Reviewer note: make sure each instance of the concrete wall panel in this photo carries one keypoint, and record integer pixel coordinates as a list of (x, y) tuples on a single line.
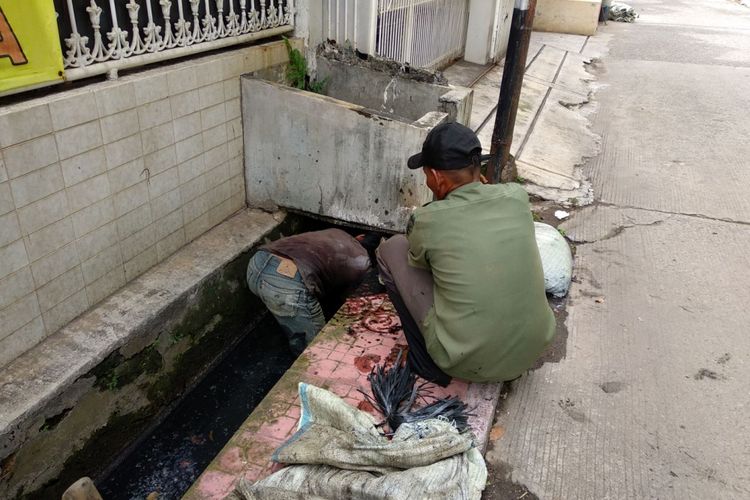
[(328, 157), (578, 17), (391, 95)]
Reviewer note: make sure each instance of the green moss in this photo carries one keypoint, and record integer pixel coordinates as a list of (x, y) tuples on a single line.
[(116, 371), (87, 461)]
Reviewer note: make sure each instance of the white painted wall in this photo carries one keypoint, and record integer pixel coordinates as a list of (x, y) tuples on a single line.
[(487, 33), (480, 30)]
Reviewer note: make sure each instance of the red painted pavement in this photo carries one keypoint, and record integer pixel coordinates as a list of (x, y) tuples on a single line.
[(365, 332)]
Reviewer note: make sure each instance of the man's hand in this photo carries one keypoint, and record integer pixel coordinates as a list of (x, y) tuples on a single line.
[(483, 179)]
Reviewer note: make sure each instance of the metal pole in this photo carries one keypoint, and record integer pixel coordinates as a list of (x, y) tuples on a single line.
[(510, 88)]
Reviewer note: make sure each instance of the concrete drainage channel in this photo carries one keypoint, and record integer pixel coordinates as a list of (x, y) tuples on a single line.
[(168, 459), (109, 377)]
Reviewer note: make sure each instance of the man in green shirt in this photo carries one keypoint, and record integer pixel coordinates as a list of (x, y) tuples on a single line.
[(467, 280)]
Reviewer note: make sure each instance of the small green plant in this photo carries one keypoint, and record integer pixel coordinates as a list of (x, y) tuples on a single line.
[(296, 72), (562, 232), (318, 86), (573, 201), (112, 383), (520, 180), (536, 216)]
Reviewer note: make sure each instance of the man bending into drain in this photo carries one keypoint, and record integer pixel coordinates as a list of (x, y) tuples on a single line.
[(294, 275), (467, 280)]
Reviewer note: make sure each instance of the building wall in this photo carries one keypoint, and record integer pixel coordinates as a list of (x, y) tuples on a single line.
[(99, 184)]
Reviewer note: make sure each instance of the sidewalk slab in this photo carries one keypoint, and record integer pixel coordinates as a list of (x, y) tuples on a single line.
[(365, 332), (551, 137)]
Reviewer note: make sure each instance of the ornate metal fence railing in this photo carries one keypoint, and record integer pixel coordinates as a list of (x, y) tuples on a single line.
[(103, 36)]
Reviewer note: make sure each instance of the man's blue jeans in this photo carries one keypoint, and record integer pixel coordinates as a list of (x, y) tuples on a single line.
[(296, 310)]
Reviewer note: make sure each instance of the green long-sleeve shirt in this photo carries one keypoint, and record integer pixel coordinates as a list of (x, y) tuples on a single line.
[(491, 319)]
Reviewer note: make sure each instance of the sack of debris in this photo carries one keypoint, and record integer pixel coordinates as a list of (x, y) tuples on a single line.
[(557, 261), (622, 12), (338, 452)]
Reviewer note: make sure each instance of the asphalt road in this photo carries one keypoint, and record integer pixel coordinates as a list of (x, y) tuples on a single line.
[(652, 398)]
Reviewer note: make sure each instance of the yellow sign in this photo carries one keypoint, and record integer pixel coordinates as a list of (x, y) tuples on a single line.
[(29, 44)]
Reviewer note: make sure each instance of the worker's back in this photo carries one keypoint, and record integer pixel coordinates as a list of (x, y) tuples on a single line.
[(329, 260), (491, 318)]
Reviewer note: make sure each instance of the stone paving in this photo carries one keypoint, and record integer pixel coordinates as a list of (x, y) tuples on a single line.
[(366, 331)]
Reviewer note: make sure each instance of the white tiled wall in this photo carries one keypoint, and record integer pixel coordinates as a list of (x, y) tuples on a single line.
[(101, 183)]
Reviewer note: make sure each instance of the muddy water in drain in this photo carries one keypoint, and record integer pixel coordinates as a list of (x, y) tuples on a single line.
[(176, 452)]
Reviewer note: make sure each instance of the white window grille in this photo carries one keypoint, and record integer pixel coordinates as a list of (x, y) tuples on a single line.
[(102, 36), (423, 33)]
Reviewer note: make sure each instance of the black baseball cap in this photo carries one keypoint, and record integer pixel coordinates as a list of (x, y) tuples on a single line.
[(449, 146)]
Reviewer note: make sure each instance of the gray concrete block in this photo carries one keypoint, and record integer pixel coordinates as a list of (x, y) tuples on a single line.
[(185, 103), (106, 285), (189, 148), (37, 185), (88, 192), (150, 87), (84, 166), (97, 240), (6, 200), (53, 265), (17, 314), (216, 156), (12, 258), (93, 217), (329, 157), (170, 244), (39, 214), (166, 204), (141, 263), (21, 340), (23, 122), (157, 137), (137, 243), (114, 98), (127, 175), (211, 95), (160, 160), (123, 151), (214, 136), (163, 182), (187, 126), (10, 230), (101, 263), (134, 221), (64, 312), (49, 238), (15, 286), (120, 125), (30, 156), (131, 198), (182, 79), (60, 288), (213, 116), (78, 139), (70, 110), (154, 113), (392, 95)]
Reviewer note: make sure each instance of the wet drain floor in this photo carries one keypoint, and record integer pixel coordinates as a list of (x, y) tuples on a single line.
[(169, 460)]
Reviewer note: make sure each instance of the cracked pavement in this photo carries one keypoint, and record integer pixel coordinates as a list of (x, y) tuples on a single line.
[(651, 399)]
